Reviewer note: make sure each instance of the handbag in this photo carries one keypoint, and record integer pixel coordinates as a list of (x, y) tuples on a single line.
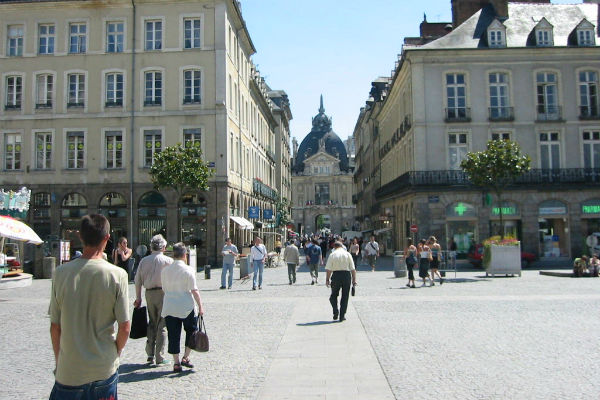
[(139, 323), (199, 340)]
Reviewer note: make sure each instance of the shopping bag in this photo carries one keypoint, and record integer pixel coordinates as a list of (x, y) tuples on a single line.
[(139, 323)]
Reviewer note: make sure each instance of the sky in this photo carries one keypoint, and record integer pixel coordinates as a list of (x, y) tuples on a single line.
[(334, 48)]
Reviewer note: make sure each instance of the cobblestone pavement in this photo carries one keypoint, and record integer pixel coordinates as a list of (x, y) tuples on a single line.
[(534, 337)]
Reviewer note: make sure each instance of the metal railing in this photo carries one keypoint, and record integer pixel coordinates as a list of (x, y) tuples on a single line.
[(457, 114), (549, 113), (588, 112), (501, 113)]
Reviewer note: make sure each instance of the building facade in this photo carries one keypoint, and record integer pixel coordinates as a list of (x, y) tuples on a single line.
[(92, 91), (524, 71), (322, 181)]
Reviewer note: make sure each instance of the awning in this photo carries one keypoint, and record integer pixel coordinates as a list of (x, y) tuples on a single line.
[(367, 231), (378, 231), (242, 222)]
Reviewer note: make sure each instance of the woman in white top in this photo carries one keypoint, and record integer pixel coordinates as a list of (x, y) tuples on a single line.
[(179, 286), (424, 257)]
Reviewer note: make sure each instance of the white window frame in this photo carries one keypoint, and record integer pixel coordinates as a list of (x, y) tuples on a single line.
[(143, 132), (558, 142), (49, 38), (79, 36), (189, 127), (586, 37), (186, 17), (546, 115), (505, 134), (82, 102), (112, 132), (182, 71), (19, 40), (71, 133), (587, 85), (5, 85), (157, 40), (594, 140), (465, 85), (105, 73), (497, 37), (36, 90), (47, 161), (5, 136), (448, 146), (153, 70), (544, 37), (498, 85), (123, 34)]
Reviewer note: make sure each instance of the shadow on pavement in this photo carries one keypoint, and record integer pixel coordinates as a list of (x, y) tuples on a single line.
[(128, 373), (316, 323)]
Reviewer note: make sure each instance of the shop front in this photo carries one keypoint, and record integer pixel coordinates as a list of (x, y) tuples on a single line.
[(40, 210), (193, 223), (590, 224), (152, 217), (73, 208), (461, 226), (114, 207), (553, 229), (511, 219)]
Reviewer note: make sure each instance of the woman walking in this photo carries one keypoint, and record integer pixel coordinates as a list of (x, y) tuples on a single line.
[(179, 286), (354, 250), (424, 257), (410, 254), (436, 256)]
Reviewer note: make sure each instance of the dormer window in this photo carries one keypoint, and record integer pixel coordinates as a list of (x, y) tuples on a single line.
[(496, 34), (585, 34), (543, 34)]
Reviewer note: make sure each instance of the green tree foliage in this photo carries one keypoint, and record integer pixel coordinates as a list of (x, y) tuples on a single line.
[(181, 169), (496, 167), (282, 205)]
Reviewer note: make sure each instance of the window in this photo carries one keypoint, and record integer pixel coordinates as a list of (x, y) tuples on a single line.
[(76, 90), (585, 37), (547, 96), (549, 150), (114, 37), (14, 45), (41, 205), (46, 39), (321, 193), (114, 89), (501, 136), (152, 145), (457, 149), (43, 150), (45, 88), (456, 96), (191, 86), (496, 38), (192, 137), (588, 94), (591, 149), (191, 33), (114, 149), (14, 88), (77, 38), (499, 102), (544, 37), (75, 150), (153, 88), (153, 35), (12, 151)]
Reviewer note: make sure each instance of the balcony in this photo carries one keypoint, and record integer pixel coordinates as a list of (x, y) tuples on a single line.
[(150, 103), (12, 107), (47, 104), (501, 113), (589, 113), (78, 104), (455, 179), (457, 114), (549, 113), (118, 103), (271, 156)]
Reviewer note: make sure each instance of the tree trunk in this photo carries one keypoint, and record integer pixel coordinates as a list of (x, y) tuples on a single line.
[(500, 213)]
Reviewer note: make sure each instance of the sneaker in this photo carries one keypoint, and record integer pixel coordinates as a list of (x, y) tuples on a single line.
[(222, 287), (163, 362), (253, 287), (408, 285), (260, 288), (229, 287), (290, 283)]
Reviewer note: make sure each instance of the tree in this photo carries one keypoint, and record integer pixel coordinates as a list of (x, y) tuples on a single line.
[(496, 167), (282, 204)]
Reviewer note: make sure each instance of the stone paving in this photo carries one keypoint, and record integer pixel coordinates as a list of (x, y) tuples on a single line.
[(534, 337)]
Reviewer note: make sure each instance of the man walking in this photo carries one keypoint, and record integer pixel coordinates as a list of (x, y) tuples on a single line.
[(372, 252), (340, 275), (88, 296), (230, 252), (314, 258), (258, 252), (291, 255), (148, 276)]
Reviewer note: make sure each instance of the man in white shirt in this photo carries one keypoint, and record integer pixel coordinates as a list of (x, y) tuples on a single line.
[(372, 252), (340, 275), (149, 275), (291, 255), (258, 252)]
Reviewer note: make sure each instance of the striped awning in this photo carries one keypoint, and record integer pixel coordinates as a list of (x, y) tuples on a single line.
[(242, 222)]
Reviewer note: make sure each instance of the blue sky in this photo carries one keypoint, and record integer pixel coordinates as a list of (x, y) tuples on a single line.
[(334, 48)]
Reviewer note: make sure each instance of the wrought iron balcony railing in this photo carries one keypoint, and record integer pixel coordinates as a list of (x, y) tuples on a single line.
[(501, 113), (458, 114), (549, 113), (589, 112)]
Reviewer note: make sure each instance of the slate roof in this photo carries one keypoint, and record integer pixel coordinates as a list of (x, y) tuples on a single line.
[(522, 19)]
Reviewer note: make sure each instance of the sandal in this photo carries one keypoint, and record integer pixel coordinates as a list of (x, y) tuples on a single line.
[(186, 363), (177, 368)]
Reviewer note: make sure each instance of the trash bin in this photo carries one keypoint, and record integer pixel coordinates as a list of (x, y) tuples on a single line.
[(48, 267), (207, 271), (399, 265), (243, 267)]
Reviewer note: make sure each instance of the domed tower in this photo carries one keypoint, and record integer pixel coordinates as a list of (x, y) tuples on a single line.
[(321, 133)]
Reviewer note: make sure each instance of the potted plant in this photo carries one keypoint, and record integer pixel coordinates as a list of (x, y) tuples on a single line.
[(502, 256)]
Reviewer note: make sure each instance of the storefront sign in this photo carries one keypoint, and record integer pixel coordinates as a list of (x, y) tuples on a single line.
[(254, 212), (553, 210), (434, 199), (591, 207), (267, 214), (508, 208), (461, 210)]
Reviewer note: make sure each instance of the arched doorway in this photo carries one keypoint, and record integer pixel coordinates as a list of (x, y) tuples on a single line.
[(322, 221), (113, 206), (152, 217), (193, 223), (73, 207), (41, 214)]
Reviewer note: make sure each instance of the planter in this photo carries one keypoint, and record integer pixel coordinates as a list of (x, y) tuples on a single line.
[(504, 260)]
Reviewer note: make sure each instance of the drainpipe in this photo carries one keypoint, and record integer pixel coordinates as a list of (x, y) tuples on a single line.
[(132, 123)]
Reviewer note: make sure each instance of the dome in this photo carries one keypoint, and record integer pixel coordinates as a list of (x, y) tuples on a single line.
[(321, 129)]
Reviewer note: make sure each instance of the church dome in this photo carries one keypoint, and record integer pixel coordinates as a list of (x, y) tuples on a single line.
[(321, 129)]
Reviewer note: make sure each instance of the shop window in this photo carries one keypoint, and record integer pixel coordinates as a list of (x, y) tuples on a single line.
[(41, 205), (113, 205)]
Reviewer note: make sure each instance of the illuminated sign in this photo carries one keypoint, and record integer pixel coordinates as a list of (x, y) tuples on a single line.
[(505, 211), (460, 209), (590, 209)]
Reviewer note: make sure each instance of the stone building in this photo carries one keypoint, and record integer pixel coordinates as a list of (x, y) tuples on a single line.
[(322, 181), (525, 71), (91, 91)]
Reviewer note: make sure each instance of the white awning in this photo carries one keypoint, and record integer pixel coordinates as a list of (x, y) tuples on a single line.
[(378, 231), (242, 222)]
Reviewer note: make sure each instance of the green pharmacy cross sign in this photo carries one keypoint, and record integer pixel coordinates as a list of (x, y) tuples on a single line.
[(460, 209)]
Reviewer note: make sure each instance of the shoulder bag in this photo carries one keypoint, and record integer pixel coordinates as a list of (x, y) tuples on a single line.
[(199, 341)]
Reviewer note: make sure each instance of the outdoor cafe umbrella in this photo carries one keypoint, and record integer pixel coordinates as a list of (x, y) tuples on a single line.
[(11, 228)]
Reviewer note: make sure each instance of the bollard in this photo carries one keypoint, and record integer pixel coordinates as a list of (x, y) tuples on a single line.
[(207, 271), (48, 267)]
